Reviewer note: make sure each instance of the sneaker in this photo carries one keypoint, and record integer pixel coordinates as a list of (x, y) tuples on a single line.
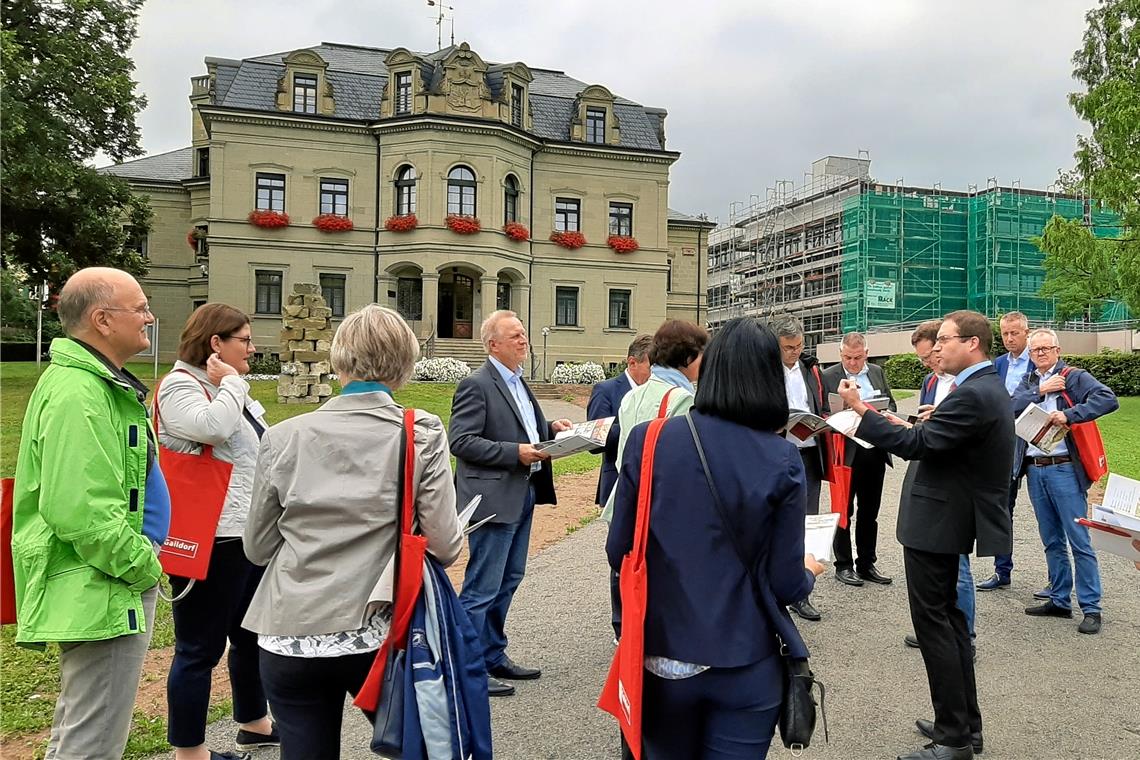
[(250, 740), (1091, 623)]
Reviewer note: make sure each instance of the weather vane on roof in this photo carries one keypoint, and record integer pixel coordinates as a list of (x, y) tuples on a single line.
[(439, 23)]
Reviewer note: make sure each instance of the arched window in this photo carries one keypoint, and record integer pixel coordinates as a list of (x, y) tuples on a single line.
[(461, 191), (406, 191), (510, 199)]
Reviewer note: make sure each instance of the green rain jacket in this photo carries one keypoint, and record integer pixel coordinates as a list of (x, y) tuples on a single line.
[(80, 559)]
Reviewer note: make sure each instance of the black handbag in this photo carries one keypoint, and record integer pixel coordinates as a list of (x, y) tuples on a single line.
[(797, 710)]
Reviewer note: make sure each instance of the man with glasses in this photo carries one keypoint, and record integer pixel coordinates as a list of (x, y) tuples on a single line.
[(1012, 367), (868, 468), (1058, 485), (91, 509)]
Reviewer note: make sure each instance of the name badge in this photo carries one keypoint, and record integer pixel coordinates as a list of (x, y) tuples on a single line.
[(255, 408)]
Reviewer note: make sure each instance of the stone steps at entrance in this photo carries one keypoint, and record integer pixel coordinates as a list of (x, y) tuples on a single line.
[(465, 350)]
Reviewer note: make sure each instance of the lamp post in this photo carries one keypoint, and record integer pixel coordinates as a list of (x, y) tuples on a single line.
[(545, 374)]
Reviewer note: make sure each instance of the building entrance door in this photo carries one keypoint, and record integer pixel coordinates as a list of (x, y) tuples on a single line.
[(456, 307)]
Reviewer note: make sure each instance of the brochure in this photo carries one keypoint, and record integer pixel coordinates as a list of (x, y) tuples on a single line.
[(819, 534), (1122, 496), (1035, 426), (468, 511), (878, 403), (584, 436), (1113, 532), (805, 425)]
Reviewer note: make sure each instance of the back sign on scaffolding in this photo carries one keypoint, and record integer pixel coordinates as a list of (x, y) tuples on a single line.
[(880, 294)]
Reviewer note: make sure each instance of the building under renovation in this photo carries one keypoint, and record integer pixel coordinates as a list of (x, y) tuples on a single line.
[(845, 252)]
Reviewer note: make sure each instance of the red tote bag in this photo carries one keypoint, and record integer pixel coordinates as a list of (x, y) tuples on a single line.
[(1090, 446), (7, 583), (621, 695), (198, 484), (409, 579), (838, 476)]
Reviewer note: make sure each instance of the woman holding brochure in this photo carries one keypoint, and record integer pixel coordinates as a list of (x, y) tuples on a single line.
[(205, 403), (324, 521), (713, 672)]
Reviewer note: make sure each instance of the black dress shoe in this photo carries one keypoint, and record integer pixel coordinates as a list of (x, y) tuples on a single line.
[(995, 581), (926, 728), (1048, 609), (496, 688), (911, 640), (806, 610), (872, 574), (848, 576), (934, 751), (508, 669), (1091, 623)]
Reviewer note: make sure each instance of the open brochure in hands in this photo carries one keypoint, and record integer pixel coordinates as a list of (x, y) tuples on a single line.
[(1116, 523), (837, 404), (1035, 426), (468, 511), (805, 425), (819, 535), (1122, 496), (584, 436)]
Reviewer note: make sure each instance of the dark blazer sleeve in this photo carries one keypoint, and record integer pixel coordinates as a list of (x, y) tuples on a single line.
[(619, 542), (789, 580), (1091, 398), (468, 426), (953, 423)]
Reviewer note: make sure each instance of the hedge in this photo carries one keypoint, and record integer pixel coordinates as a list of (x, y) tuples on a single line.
[(1116, 369)]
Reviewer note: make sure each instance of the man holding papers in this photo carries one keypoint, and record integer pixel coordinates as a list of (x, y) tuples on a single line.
[(1058, 485), (954, 493)]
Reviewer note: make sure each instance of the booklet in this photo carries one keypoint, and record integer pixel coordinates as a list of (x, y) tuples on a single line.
[(819, 534), (805, 425), (1122, 496), (878, 403), (1113, 532), (468, 511), (584, 436), (1035, 426)]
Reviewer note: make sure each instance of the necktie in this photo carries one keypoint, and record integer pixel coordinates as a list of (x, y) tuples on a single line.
[(953, 386)]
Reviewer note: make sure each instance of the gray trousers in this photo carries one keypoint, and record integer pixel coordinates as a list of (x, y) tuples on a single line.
[(99, 681)]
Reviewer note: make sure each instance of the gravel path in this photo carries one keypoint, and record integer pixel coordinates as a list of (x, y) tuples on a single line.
[(1046, 691)]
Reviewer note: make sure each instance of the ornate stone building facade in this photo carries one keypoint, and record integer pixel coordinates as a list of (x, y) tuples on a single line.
[(432, 183)]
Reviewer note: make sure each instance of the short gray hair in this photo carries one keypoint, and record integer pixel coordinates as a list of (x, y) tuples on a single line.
[(786, 326), (78, 297), (1046, 331), (1011, 316), (854, 340), (639, 348), (490, 327), (376, 344)]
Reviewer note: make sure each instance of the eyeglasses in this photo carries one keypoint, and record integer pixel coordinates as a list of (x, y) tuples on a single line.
[(1041, 351), (141, 310), (944, 339), (246, 341)]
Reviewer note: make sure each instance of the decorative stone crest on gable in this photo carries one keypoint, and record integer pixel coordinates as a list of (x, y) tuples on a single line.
[(465, 80)]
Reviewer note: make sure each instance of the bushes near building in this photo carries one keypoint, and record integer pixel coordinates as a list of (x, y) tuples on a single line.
[(1116, 369)]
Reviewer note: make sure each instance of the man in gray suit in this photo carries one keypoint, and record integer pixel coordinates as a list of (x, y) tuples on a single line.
[(495, 423)]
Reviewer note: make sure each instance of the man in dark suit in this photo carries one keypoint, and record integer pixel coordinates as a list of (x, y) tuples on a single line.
[(804, 388), (605, 400), (495, 424), (953, 494), (868, 468)]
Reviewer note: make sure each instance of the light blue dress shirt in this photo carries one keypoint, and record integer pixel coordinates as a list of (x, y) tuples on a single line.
[(1018, 366), (866, 390), (964, 374), (1049, 404), (522, 403)]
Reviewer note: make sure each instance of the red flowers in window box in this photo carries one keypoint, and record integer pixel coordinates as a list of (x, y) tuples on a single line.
[(192, 238), (401, 223), (516, 231), (463, 225), (268, 219), (332, 223), (622, 244), (571, 240)]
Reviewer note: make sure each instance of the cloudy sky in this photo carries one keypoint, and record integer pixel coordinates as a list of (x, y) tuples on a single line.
[(951, 92)]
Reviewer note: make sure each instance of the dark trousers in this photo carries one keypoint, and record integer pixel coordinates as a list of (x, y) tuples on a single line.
[(720, 714), (1003, 563), (209, 615), (867, 472), (307, 696), (615, 602), (944, 641), (495, 569), (813, 469)]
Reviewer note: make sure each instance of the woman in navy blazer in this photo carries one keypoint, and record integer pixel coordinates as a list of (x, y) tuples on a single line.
[(714, 679)]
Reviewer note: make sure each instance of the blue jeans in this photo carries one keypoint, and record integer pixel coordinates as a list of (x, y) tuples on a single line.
[(1003, 563), (495, 569), (1058, 501), (966, 594)]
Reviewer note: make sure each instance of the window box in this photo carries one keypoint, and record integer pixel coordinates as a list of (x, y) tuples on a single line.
[(401, 223), (571, 240), (193, 236), (516, 231), (622, 244), (268, 219), (332, 223), (462, 224)]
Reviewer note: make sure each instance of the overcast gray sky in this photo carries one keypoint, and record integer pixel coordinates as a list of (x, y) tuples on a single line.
[(951, 92)]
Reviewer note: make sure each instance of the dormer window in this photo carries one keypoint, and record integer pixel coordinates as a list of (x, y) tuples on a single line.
[(516, 106), (596, 125), (305, 93), (403, 93)]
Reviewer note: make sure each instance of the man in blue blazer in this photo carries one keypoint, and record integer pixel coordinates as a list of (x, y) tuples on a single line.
[(605, 400), (954, 493), (1058, 485), (1011, 367)]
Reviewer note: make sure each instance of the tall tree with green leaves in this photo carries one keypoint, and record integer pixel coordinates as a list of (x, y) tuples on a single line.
[(67, 94), (1082, 271)]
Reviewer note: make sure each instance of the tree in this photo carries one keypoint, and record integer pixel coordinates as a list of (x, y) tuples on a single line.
[(68, 94), (1081, 270)]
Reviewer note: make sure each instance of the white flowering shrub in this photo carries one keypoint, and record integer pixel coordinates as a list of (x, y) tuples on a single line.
[(441, 370), (586, 373)]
